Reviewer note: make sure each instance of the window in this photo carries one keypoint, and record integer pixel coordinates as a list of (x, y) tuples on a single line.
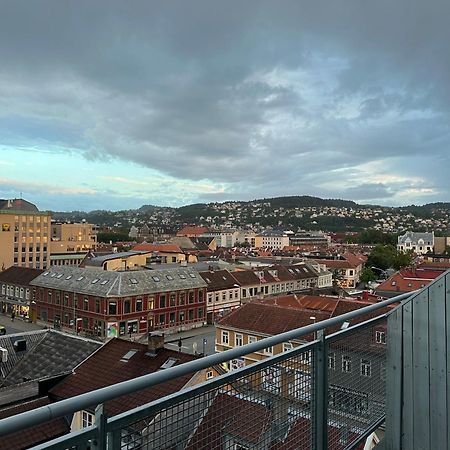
[(268, 350), (181, 298), (162, 319), (365, 368), (172, 299), (97, 305), (209, 374), (49, 297), (331, 361), (200, 313), (112, 308), (252, 339), (225, 337), (305, 358), (126, 307), (191, 297), (138, 304), (172, 317), (380, 337), (86, 304), (287, 346), (162, 300), (87, 419), (191, 314), (238, 340), (346, 364), (200, 296), (151, 303)]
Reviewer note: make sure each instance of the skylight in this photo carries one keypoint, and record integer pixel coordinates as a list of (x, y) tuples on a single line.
[(68, 277), (45, 274), (156, 279), (104, 282), (169, 277), (129, 355), (59, 275), (192, 275), (182, 276), (53, 275), (169, 363), (80, 278), (94, 281), (133, 281)]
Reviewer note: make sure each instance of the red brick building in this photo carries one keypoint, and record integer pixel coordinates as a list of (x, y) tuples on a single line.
[(110, 304)]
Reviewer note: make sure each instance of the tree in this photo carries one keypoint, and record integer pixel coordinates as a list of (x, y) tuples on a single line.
[(387, 256), (368, 275)]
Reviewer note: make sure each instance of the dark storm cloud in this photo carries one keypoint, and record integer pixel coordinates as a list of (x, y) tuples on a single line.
[(269, 97)]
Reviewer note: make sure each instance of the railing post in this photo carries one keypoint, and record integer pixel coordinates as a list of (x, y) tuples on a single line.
[(100, 423), (320, 410)]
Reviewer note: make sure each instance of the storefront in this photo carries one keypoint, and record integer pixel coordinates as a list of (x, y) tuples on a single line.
[(8, 306)]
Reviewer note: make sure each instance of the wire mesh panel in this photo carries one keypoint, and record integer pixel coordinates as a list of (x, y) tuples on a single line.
[(356, 383), (268, 406)]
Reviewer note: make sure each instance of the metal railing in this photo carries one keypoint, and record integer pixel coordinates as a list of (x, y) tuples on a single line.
[(325, 394)]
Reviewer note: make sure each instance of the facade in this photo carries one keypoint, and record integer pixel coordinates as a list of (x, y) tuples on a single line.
[(272, 239), (16, 292), (419, 243), (72, 237), (109, 304), (310, 238), (224, 238), (346, 270), (67, 259), (223, 293), (273, 280), (24, 235)]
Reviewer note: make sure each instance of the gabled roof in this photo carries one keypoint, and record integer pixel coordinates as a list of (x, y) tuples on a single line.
[(104, 283), (218, 280), (17, 204), (413, 237), (108, 366), (19, 275), (246, 277), (49, 354), (265, 318), (30, 437)]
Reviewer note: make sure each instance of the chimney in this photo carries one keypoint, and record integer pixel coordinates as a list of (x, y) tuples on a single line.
[(155, 342)]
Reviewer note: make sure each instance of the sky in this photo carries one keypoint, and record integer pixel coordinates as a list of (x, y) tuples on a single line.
[(113, 104)]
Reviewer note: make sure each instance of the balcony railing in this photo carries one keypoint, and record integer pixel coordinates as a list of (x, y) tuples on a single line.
[(329, 392)]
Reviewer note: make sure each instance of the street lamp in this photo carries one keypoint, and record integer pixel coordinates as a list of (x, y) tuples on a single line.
[(313, 318), (381, 271)]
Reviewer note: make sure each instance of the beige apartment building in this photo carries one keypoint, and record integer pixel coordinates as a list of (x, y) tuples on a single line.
[(24, 235), (72, 237)]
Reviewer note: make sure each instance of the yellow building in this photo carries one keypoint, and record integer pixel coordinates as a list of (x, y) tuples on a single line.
[(72, 237), (24, 235)]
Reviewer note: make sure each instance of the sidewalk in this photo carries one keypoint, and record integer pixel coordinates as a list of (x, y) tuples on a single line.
[(19, 325)]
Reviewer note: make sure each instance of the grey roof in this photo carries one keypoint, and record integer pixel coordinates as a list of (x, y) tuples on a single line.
[(102, 283), (49, 353), (97, 261), (412, 236)]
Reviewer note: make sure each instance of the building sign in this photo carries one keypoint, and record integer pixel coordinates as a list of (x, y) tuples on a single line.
[(6, 227), (112, 330)]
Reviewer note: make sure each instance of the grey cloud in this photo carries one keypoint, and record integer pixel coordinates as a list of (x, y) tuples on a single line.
[(183, 87)]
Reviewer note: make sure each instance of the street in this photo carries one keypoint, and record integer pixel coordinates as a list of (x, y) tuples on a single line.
[(18, 326), (192, 341)]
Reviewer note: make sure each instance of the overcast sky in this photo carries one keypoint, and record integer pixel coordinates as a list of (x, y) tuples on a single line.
[(113, 104)]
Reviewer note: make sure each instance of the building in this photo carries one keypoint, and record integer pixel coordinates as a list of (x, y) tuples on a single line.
[(120, 360), (192, 231), (407, 280), (223, 293), (276, 279), (72, 237), (109, 304), (165, 253), (136, 259), (16, 292), (346, 270), (419, 243), (224, 238), (310, 238), (272, 239), (24, 235)]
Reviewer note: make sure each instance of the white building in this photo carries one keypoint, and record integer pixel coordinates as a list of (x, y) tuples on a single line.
[(419, 243)]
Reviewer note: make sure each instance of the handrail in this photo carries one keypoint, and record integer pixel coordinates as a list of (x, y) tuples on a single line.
[(89, 399)]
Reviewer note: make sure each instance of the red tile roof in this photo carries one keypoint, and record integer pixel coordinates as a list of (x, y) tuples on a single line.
[(29, 437), (105, 368), (192, 231)]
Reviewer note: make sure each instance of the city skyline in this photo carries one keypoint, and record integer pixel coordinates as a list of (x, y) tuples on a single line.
[(171, 104)]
